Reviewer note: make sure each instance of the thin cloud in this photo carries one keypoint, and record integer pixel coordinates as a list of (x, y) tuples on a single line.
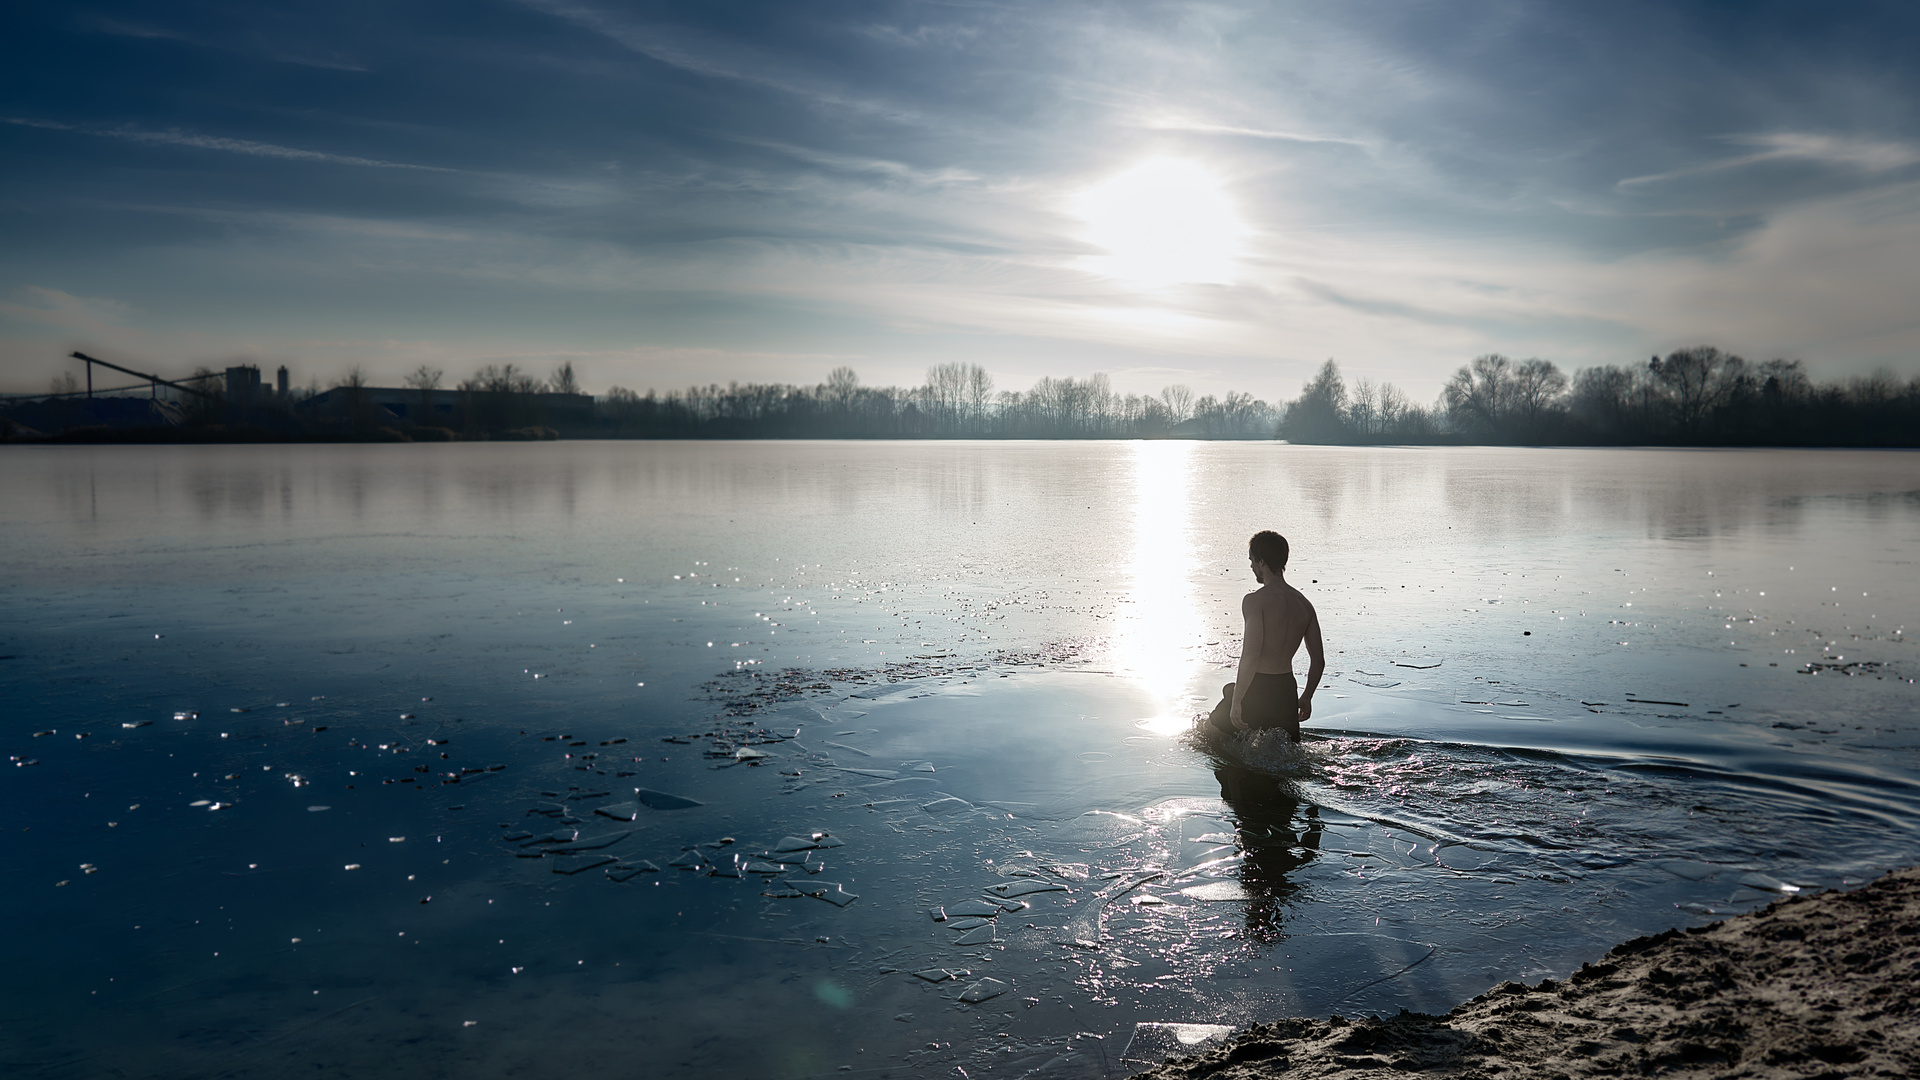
[(1864, 155), (220, 143), (105, 25), (657, 44), (117, 28), (1203, 128), (52, 306), (853, 164)]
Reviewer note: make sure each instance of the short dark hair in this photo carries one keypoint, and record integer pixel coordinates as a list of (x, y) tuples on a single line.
[(1268, 547)]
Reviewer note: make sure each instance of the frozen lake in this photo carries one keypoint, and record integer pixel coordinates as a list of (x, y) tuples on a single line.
[(379, 760)]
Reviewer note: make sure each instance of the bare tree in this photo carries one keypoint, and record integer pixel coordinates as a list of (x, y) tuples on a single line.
[(1536, 390), (1179, 402), (1479, 394), (425, 379), (1363, 408), (1393, 409), (65, 383), (843, 384), (979, 391), (1697, 380), (563, 381)]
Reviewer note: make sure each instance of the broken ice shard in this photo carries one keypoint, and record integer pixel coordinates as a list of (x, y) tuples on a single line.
[(660, 800), (984, 990), (1010, 889)]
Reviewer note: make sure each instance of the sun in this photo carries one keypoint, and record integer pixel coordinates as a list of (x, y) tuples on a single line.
[(1165, 221)]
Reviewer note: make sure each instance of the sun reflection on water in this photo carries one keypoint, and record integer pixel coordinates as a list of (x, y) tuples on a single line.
[(1160, 625)]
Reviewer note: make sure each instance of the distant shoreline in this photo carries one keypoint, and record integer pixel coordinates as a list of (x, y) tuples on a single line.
[(260, 436)]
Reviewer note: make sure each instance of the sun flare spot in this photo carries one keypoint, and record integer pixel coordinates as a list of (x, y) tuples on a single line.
[(1165, 221)]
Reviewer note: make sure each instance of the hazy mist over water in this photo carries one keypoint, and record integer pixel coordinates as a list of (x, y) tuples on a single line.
[(1017, 636)]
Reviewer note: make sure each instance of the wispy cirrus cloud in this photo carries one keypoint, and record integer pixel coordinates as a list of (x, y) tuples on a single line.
[(1203, 127), (119, 28), (677, 48), (53, 307), (1839, 151), (222, 144)]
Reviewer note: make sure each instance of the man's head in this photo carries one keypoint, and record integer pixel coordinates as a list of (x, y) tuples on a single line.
[(1268, 547)]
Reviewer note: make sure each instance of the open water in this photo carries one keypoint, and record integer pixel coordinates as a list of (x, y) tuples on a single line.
[(797, 759)]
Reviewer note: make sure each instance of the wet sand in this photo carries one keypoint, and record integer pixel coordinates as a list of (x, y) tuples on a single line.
[(1827, 985)]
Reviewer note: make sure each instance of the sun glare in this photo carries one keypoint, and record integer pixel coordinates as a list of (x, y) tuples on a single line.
[(1162, 222), (1161, 624)]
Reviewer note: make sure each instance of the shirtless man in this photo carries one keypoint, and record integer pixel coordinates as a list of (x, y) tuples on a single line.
[(1279, 619)]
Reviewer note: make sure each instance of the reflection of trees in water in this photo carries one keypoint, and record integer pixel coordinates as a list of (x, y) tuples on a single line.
[(1273, 845)]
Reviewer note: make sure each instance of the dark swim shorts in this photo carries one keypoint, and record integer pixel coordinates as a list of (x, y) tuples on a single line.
[(1273, 701)]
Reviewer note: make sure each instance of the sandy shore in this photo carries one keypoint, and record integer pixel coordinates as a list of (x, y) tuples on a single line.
[(1824, 986)]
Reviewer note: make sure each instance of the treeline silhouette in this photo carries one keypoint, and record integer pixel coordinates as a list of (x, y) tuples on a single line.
[(1698, 396), (958, 401)]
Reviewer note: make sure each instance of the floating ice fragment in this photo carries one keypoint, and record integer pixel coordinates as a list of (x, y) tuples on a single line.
[(568, 863), (976, 908), (754, 866), (626, 811), (968, 923), (1155, 1043), (1070, 871), (823, 841), (596, 843), (660, 800), (832, 893), (794, 843), (939, 914), (692, 860), (780, 890), (945, 805), (979, 935), (396, 839), (1010, 889), (934, 974), (199, 802), (317, 809), (1687, 868), (353, 866), (984, 990), (1767, 882), (1217, 890)]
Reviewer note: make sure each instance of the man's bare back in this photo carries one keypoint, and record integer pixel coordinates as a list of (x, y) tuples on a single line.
[(1279, 619)]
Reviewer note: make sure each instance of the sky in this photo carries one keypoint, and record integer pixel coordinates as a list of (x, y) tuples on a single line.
[(1222, 195)]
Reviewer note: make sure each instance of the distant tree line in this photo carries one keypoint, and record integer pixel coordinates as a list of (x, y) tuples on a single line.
[(957, 401), (1694, 396), (1691, 397)]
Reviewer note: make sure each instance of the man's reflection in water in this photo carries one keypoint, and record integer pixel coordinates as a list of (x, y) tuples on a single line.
[(1273, 845)]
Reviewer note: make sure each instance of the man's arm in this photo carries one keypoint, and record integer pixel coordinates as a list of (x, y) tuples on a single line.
[(1250, 647), (1316, 662)]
